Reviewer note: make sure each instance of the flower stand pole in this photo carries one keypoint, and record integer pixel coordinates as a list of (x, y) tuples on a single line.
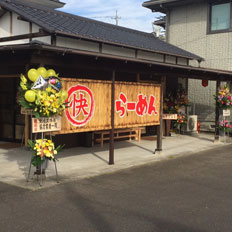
[(224, 132)]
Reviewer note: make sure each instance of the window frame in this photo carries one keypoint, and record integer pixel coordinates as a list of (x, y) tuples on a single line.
[(210, 4)]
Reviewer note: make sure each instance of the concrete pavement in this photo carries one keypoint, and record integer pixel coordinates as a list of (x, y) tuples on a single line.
[(188, 194), (80, 162)]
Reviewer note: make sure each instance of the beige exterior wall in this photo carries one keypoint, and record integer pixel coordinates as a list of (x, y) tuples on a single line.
[(188, 30)]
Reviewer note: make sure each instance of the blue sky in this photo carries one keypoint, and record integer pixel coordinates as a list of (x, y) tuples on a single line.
[(132, 13)]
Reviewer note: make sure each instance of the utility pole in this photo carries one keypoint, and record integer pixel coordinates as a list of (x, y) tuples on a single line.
[(116, 17)]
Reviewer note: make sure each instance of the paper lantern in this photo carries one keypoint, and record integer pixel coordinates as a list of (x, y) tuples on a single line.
[(205, 83)]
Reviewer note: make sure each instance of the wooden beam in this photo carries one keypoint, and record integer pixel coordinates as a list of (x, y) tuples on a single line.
[(22, 19), (30, 30), (10, 76), (53, 40), (24, 36), (111, 150), (11, 24)]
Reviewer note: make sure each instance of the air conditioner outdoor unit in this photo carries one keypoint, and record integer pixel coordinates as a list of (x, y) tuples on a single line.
[(192, 123)]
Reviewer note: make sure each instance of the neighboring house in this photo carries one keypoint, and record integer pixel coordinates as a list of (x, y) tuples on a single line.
[(204, 28)]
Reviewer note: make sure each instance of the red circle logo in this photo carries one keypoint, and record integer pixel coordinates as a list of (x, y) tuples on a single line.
[(80, 105)]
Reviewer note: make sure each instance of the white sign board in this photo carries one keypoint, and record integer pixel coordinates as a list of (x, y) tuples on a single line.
[(26, 111), (226, 113), (46, 124), (169, 116)]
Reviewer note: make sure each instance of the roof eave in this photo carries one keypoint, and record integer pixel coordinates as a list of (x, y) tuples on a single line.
[(157, 5), (164, 5), (81, 52)]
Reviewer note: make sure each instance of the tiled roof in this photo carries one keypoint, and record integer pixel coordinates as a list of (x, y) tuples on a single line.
[(54, 21)]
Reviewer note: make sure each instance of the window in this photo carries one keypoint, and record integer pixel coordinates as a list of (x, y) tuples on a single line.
[(220, 16)]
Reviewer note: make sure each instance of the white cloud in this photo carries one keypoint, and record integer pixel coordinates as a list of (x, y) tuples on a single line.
[(131, 12)]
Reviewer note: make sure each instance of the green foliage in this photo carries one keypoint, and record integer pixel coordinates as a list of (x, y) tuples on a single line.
[(24, 103), (60, 147), (31, 144), (36, 113), (37, 161)]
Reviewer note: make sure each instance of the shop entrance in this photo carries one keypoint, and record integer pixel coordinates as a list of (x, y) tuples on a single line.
[(11, 121)]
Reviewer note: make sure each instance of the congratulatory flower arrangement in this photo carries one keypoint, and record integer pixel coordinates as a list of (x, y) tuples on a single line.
[(224, 125), (181, 119), (42, 92), (43, 149), (175, 100), (223, 98)]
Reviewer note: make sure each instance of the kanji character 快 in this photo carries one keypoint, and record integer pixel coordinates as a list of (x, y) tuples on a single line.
[(78, 105)]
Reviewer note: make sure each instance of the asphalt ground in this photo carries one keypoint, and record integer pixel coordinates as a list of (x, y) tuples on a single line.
[(187, 194)]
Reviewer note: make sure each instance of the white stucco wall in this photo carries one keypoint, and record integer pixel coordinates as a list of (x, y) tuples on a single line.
[(19, 27), (44, 39), (150, 56), (113, 50), (77, 44), (5, 25)]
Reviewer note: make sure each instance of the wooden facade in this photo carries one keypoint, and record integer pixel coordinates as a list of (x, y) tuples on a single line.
[(101, 118)]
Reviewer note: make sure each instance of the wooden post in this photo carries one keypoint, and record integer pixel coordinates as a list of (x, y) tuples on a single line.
[(216, 135), (11, 23), (27, 127), (138, 77), (160, 127), (111, 150)]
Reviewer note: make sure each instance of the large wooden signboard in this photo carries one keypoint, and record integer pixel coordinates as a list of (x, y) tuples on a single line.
[(136, 104), (89, 105)]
